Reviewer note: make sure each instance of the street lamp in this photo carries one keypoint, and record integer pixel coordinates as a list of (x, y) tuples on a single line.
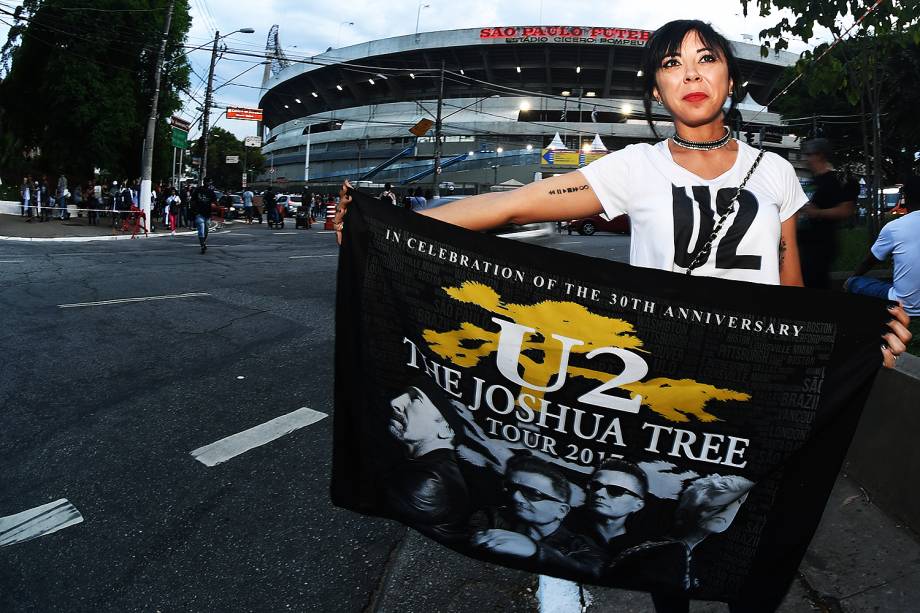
[(209, 92), (418, 15)]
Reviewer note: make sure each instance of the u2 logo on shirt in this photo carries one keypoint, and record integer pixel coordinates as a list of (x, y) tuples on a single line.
[(726, 246)]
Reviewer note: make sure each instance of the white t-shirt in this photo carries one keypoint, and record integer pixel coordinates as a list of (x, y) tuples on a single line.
[(899, 240), (671, 210)]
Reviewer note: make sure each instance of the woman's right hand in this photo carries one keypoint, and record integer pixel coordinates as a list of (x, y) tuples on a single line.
[(342, 208)]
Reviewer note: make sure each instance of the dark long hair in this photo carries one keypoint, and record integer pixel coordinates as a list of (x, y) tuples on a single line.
[(666, 41)]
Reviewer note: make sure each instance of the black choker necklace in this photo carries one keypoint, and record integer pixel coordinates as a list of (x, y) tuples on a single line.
[(705, 145)]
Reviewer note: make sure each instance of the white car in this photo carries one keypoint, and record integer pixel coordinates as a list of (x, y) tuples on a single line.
[(290, 202), (531, 232)]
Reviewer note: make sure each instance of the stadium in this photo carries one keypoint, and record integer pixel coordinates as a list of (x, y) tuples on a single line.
[(518, 103)]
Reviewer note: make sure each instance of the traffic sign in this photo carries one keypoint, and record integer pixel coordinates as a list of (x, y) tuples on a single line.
[(422, 127), (233, 159), (178, 122), (179, 138), (245, 178), (271, 170), (252, 141), (245, 114)]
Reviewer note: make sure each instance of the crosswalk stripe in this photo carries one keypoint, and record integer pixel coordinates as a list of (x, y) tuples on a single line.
[(236, 444), (38, 522)]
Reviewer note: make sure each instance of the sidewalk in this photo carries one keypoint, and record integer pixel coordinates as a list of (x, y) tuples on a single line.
[(16, 228)]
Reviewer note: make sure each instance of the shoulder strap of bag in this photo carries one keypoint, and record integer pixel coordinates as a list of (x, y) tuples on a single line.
[(703, 254)]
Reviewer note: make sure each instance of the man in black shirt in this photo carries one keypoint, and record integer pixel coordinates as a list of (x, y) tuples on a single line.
[(203, 198), (831, 203)]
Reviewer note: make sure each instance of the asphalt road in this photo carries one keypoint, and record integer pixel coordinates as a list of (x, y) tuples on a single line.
[(102, 405)]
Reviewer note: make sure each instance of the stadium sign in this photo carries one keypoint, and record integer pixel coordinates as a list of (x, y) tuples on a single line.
[(244, 114), (567, 34)]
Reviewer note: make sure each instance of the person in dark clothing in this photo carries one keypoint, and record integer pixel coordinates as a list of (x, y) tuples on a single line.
[(270, 206), (529, 526), (707, 506), (427, 489), (829, 205), (92, 204), (184, 217), (615, 491), (44, 196), (203, 198)]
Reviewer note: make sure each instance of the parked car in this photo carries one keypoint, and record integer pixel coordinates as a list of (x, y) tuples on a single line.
[(232, 206), (290, 202), (589, 225), (531, 232)]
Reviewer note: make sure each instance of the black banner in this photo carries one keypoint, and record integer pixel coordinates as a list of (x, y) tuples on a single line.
[(585, 419)]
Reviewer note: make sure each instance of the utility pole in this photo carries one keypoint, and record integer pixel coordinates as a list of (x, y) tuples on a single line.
[(306, 158), (206, 116), (147, 158), (437, 139)]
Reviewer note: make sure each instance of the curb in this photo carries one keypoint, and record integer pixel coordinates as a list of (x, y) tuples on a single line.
[(86, 239)]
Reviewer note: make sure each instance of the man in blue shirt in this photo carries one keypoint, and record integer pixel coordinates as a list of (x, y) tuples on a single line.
[(897, 239)]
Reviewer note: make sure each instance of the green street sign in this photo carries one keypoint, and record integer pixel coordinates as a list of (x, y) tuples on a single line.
[(179, 138)]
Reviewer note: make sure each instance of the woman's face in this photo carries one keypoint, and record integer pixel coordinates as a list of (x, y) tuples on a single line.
[(694, 83)]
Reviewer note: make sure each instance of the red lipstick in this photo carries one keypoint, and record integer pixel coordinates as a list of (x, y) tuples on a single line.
[(695, 97)]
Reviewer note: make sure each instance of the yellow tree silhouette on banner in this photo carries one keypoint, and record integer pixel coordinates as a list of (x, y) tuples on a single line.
[(674, 399)]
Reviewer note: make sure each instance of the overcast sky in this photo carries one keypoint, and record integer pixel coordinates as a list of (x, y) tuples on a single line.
[(308, 27)]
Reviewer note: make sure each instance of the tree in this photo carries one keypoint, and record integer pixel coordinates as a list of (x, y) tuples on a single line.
[(866, 71), (221, 144), (78, 85)]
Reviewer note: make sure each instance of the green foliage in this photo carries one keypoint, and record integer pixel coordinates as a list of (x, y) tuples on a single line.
[(889, 16), (874, 69), (78, 86), (221, 144)]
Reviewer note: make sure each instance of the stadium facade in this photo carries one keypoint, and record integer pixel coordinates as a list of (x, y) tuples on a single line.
[(507, 93)]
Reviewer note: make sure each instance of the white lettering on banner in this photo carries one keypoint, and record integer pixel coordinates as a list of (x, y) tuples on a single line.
[(525, 408), (510, 344), (683, 441)]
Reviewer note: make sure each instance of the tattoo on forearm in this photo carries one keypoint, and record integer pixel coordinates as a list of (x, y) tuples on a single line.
[(567, 190), (782, 251)]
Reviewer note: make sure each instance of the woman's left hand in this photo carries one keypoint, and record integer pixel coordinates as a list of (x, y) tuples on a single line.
[(895, 341)]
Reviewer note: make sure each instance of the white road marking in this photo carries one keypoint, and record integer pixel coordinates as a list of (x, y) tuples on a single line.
[(38, 522), (559, 596), (11, 261), (236, 444), (88, 253), (325, 232), (571, 243), (300, 257), (126, 300), (285, 234)]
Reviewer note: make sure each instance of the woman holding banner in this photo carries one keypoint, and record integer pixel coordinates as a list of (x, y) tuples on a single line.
[(699, 202)]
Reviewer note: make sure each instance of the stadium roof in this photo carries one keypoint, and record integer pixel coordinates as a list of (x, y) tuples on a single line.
[(507, 60)]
